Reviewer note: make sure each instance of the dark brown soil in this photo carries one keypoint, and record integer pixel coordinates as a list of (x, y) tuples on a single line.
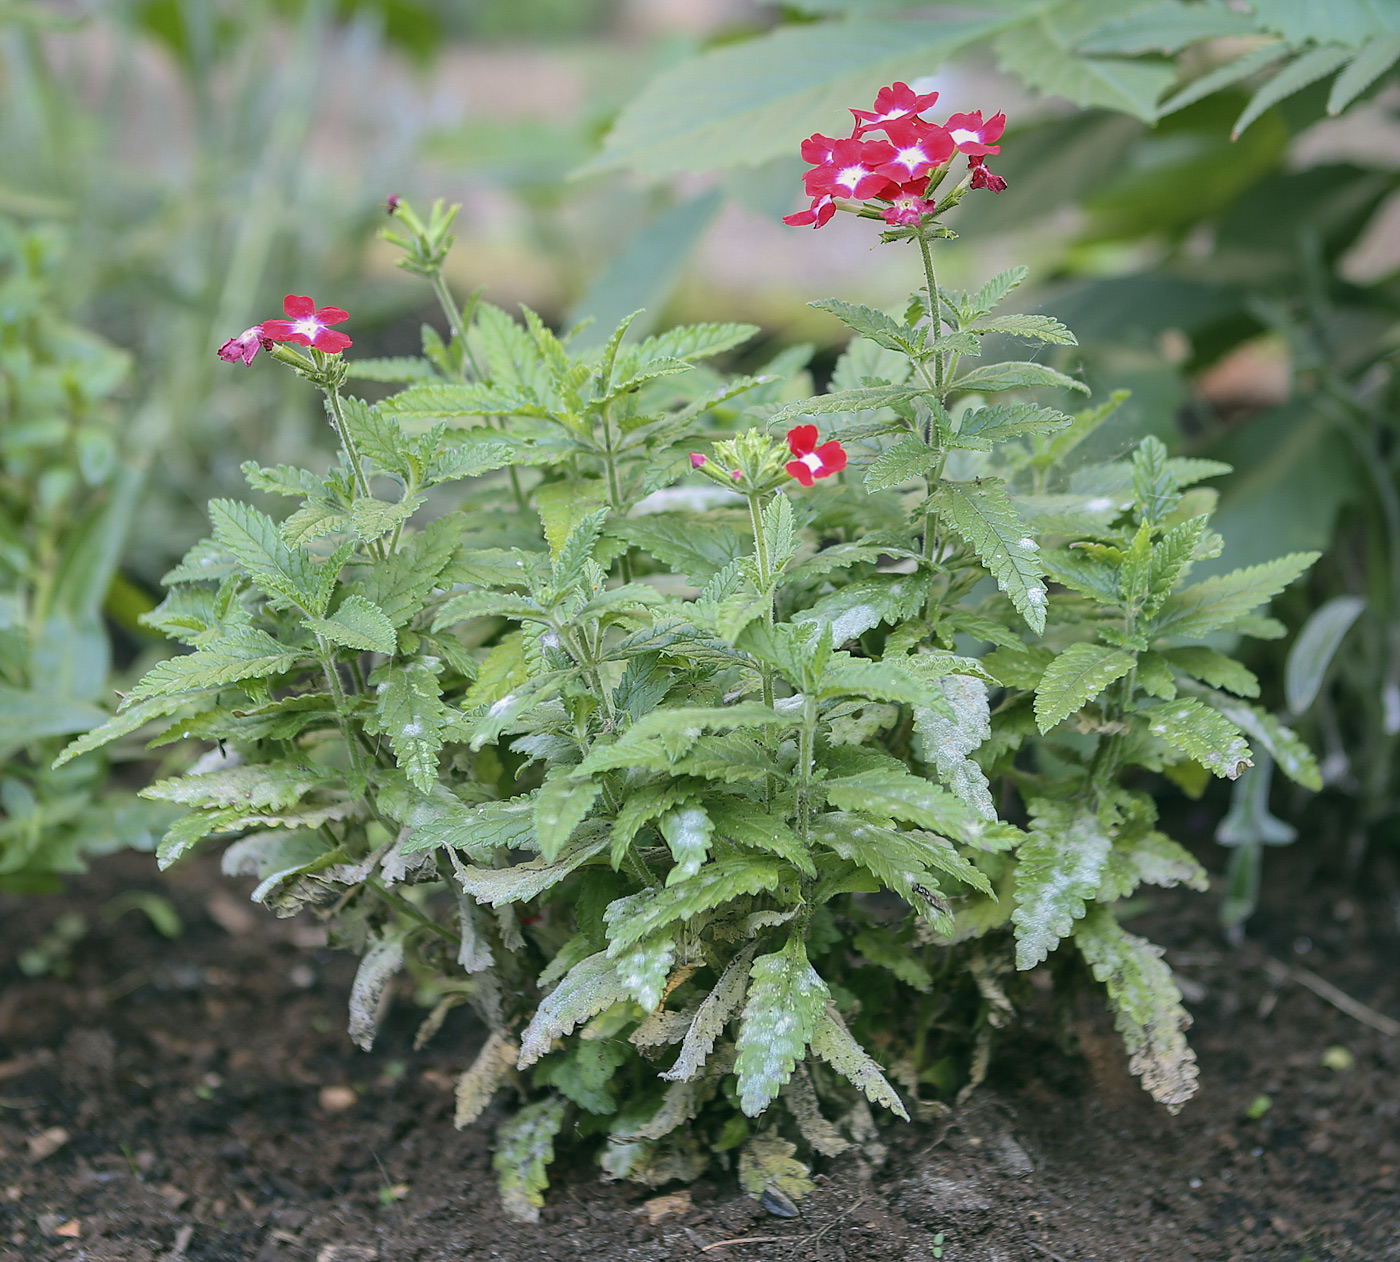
[(176, 1101)]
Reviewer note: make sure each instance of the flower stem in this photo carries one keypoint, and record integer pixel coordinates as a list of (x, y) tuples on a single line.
[(455, 319)]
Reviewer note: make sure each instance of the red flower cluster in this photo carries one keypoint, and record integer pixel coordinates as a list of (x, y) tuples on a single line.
[(305, 325), (812, 461), (896, 168)]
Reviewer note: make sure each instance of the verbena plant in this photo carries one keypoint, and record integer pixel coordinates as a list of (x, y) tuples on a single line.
[(67, 498), (714, 797)]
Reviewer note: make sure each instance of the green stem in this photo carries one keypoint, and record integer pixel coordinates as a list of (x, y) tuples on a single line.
[(935, 314), (454, 318), (408, 909), (342, 711)]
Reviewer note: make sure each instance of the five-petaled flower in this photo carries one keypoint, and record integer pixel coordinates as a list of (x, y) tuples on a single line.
[(898, 100), (974, 137), (306, 326), (853, 170), (245, 345), (813, 462), (919, 148)]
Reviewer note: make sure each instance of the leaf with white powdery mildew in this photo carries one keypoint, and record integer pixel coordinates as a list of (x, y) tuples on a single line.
[(1075, 678), (383, 959), (1060, 866), (983, 516), (479, 1083), (712, 1016), (589, 987), (410, 712), (832, 1041), (948, 742), (524, 1149), (786, 999), (1201, 733), (1146, 1003)]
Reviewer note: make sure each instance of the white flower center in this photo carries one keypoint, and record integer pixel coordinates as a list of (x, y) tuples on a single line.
[(911, 157), (961, 136), (812, 461), (851, 176), (308, 326)]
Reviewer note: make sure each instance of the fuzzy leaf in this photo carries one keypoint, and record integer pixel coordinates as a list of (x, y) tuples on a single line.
[(358, 624), (786, 998), (1075, 678), (896, 794), (881, 329), (741, 822), (524, 1149), (1201, 733), (982, 428), (273, 786), (383, 959), (644, 966), (863, 399), (1146, 1003), (688, 832), (398, 368), (523, 882), (242, 654), (947, 742), (589, 987), (1015, 375), (479, 1083), (560, 806), (253, 539), (410, 712), (699, 550), (400, 585), (832, 1041), (1214, 668), (1217, 602), (712, 1016), (1059, 868), (637, 916), (1294, 758), (1040, 328), (478, 830), (983, 516)]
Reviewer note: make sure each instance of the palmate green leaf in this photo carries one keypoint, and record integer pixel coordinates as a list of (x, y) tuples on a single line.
[(358, 624), (1146, 1003), (242, 654), (523, 882), (982, 428), (1200, 732), (1375, 57), (1041, 54), (983, 517), (524, 1149), (714, 1013), (639, 916), (1059, 868), (863, 399), (410, 712), (253, 539), (786, 999), (587, 989), (881, 329), (1075, 678), (1313, 65), (743, 103), (832, 1041), (1220, 601), (1040, 328), (1214, 668), (560, 807)]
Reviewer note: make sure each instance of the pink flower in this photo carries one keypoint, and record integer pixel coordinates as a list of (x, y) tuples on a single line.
[(983, 178), (919, 147), (974, 137), (853, 170), (391, 203), (817, 149), (909, 206), (306, 326), (697, 461), (245, 345), (898, 100), (818, 213), (812, 461)]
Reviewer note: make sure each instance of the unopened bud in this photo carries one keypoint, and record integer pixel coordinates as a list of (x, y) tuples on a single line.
[(697, 461)]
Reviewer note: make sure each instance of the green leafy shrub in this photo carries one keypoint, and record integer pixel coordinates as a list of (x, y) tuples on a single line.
[(713, 798), (66, 502)]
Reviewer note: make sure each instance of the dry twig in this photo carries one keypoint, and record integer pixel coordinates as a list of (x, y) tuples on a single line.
[(1339, 999)]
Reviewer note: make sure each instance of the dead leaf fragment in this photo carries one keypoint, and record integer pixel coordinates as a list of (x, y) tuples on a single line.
[(673, 1203), (70, 1228), (46, 1143)]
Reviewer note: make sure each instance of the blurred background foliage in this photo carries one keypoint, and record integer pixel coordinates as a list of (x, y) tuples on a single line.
[(1206, 193)]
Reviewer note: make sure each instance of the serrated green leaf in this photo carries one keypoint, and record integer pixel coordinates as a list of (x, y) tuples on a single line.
[(982, 428), (906, 460), (991, 294), (1222, 600), (1041, 328), (523, 882), (587, 989), (433, 400), (983, 516), (283, 479), (896, 958), (786, 999), (479, 830), (712, 1016), (947, 741), (1075, 678), (1152, 859), (358, 624), (1375, 57), (1016, 375), (400, 585), (881, 329), (699, 550), (524, 1149), (409, 710), (694, 341), (396, 368), (1165, 28), (742, 822), (1293, 757), (1214, 668), (271, 786), (242, 654), (560, 807), (253, 539), (1058, 870), (863, 399), (638, 916), (833, 1043), (1146, 1003), (1313, 65), (1201, 733), (896, 794)]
